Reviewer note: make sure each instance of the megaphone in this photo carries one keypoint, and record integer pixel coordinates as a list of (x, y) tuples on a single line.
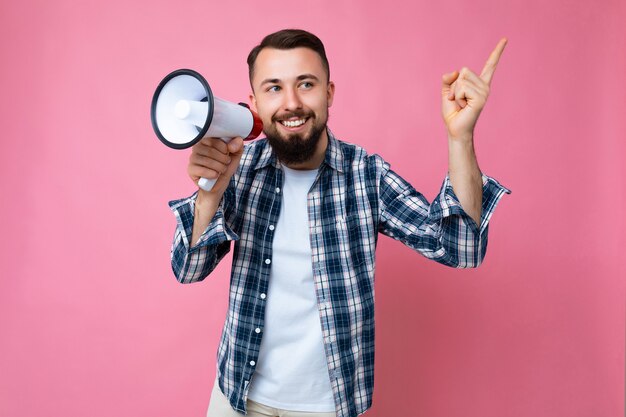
[(184, 111)]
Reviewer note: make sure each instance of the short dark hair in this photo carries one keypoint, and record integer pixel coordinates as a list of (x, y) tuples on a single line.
[(289, 39)]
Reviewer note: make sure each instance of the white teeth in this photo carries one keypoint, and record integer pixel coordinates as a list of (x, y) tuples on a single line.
[(293, 123)]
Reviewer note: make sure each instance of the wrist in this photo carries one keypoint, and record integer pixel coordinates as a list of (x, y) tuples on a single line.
[(206, 202), (462, 139), (461, 147)]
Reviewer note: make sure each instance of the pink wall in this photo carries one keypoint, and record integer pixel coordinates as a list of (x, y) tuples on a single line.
[(92, 321)]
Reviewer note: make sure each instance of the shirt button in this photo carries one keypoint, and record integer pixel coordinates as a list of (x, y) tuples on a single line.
[(263, 296), (277, 190), (252, 363), (268, 261), (257, 330), (271, 227)]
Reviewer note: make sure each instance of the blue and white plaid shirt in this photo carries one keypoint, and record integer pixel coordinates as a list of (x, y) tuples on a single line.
[(354, 197)]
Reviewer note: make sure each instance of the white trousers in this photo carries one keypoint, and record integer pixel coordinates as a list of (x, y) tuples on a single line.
[(220, 407)]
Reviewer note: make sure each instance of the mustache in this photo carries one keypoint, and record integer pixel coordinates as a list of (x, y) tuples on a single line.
[(288, 115)]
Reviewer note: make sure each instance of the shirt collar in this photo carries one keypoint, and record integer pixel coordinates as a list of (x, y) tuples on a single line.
[(267, 157), (333, 157)]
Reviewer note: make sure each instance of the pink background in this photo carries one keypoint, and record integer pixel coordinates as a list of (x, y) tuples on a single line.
[(92, 321)]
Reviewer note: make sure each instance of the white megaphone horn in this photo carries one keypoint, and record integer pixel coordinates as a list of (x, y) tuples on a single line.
[(184, 111)]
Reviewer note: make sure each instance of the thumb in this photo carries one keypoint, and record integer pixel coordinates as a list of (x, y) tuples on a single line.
[(235, 146)]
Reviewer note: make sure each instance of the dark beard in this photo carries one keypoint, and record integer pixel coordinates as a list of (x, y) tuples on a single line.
[(295, 149)]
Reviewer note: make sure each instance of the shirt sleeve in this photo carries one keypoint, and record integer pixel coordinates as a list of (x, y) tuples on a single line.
[(441, 231), (194, 263)]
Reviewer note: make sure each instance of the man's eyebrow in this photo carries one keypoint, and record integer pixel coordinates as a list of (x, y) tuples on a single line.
[(299, 78), (307, 76), (271, 81)]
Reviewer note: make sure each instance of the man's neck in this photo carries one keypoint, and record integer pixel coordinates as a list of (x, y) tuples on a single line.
[(318, 157)]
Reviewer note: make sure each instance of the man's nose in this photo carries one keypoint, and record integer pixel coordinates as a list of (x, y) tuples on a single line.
[(292, 100)]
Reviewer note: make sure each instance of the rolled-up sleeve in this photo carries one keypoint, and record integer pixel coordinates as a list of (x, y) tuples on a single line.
[(194, 263), (441, 231)]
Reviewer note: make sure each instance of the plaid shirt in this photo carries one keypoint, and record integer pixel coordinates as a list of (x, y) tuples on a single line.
[(354, 196)]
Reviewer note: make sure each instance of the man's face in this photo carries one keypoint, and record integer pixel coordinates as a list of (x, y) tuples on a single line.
[(291, 94)]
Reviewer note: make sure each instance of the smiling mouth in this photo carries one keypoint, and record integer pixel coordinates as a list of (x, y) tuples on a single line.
[(293, 123)]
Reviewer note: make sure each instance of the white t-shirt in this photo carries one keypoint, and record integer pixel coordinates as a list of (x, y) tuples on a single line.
[(291, 371)]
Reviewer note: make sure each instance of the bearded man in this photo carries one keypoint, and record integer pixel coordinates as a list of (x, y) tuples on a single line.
[(304, 210)]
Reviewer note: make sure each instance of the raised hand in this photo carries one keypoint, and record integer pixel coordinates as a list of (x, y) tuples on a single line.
[(464, 95)]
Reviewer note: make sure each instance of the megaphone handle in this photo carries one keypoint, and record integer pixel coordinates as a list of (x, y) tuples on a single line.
[(207, 184)]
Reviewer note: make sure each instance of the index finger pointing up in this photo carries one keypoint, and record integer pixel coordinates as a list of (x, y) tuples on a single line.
[(492, 62)]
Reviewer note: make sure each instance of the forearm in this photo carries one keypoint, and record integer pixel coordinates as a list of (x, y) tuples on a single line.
[(205, 208), (465, 176)]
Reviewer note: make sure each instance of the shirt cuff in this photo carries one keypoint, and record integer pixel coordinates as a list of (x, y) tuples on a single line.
[(447, 204), (216, 232)]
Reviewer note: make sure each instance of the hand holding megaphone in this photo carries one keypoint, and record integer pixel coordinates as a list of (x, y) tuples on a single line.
[(184, 112), (216, 161)]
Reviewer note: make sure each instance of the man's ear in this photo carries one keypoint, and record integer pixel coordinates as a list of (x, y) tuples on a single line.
[(330, 93), (253, 101)]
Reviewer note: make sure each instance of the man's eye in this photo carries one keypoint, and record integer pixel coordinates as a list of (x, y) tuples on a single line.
[(274, 88), (306, 85)]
